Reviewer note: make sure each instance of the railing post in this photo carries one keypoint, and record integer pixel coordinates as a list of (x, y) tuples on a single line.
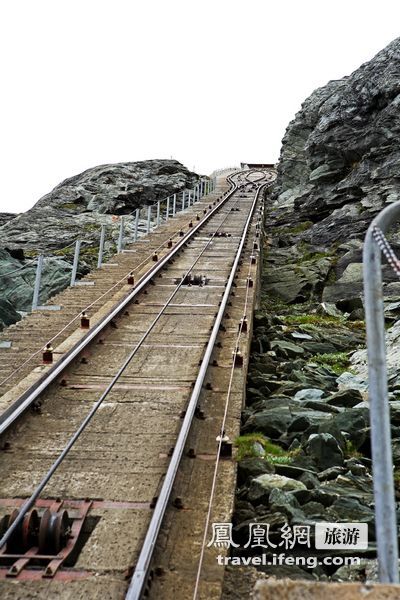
[(76, 261), (158, 213), (148, 218), (101, 247), (167, 210), (36, 289), (174, 206), (136, 224), (385, 509), (121, 236)]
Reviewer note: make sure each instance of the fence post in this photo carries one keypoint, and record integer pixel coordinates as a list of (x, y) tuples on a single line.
[(75, 263), (101, 247), (167, 210), (174, 206), (36, 289), (148, 218), (121, 236), (158, 213), (136, 224)]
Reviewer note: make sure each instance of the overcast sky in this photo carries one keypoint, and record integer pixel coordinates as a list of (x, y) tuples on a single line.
[(210, 83)]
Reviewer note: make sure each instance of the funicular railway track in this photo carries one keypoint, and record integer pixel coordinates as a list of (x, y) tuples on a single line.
[(109, 413)]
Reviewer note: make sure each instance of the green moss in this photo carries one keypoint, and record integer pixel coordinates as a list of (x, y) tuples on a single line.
[(64, 251), (314, 256), (69, 206), (90, 251), (303, 226), (338, 361), (90, 227), (313, 319), (350, 451), (273, 452)]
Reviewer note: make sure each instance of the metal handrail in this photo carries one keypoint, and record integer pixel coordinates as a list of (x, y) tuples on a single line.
[(385, 509)]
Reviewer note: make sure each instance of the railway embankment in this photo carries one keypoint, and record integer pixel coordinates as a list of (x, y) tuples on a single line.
[(304, 451)]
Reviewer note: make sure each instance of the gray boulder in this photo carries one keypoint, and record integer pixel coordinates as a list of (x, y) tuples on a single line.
[(325, 450)]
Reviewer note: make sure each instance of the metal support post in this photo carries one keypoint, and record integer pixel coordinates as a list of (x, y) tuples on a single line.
[(38, 278), (136, 224), (76, 261), (189, 197), (183, 200), (148, 218), (167, 210), (158, 213), (174, 206), (101, 247), (121, 236)]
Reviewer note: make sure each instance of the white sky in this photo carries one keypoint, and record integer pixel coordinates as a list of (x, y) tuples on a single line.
[(210, 83)]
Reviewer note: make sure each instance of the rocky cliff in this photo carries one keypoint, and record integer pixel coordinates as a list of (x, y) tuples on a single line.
[(305, 453), (339, 166), (76, 208)]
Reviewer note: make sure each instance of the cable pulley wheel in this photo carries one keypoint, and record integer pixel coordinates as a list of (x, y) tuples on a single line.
[(14, 541), (53, 532), (30, 529)]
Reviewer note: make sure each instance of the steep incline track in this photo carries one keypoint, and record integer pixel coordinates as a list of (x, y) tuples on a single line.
[(108, 415)]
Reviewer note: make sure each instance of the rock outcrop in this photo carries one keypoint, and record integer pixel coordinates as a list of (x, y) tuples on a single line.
[(5, 217), (76, 208), (78, 205), (339, 166), (307, 382)]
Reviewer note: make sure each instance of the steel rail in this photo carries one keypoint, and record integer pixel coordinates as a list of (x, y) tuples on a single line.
[(93, 303), (34, 496), (139, 577), (27, 398), (221, 432)]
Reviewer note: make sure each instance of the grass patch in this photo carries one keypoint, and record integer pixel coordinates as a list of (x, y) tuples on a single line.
[(338, 362), (273, 453)]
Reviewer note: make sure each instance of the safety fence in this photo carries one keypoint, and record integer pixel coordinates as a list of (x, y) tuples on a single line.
[(132, 226)]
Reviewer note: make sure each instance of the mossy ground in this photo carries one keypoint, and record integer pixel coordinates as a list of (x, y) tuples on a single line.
[(246, 448)]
